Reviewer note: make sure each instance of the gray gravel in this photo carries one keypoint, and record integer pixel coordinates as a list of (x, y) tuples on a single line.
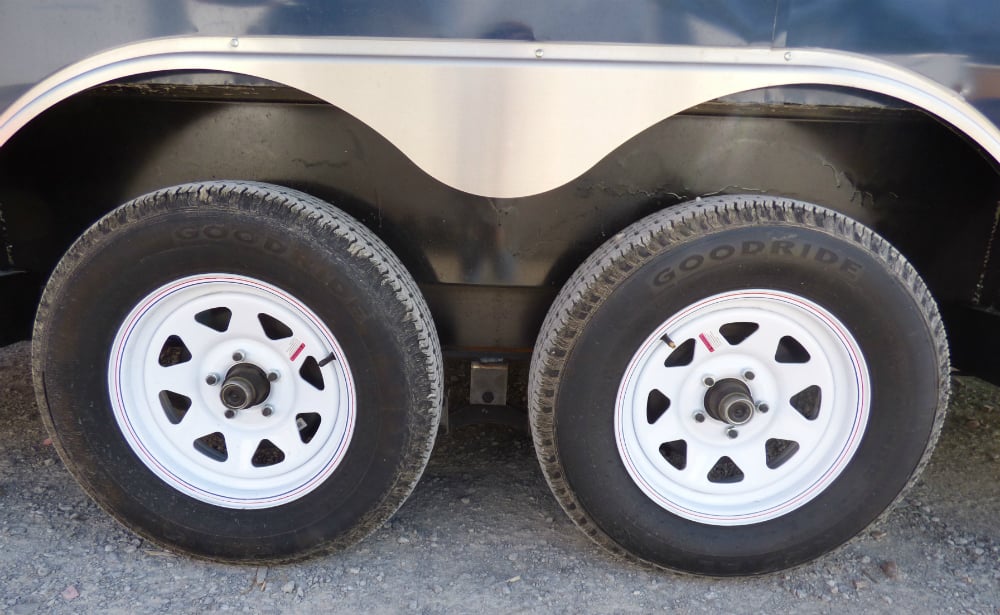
[(482, 533)]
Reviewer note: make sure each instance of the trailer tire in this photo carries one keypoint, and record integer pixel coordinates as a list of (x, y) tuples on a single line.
[(737, 385), (238, 371)]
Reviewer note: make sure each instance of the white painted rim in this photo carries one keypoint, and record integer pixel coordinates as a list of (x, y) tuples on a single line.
[(239, 473), (692, 480)]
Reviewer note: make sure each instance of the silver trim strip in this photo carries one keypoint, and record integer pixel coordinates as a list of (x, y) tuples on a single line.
[(501, 118)]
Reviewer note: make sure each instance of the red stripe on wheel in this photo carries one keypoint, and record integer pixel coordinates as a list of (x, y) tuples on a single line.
[(701, 336)]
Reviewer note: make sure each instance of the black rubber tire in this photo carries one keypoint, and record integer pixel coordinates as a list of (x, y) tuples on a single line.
[(300, 244), (663, 263)]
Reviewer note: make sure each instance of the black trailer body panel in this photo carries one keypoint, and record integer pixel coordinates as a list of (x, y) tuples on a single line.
[(490, 267)]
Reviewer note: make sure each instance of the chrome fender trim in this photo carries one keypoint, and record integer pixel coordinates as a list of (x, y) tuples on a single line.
[(505, 118)]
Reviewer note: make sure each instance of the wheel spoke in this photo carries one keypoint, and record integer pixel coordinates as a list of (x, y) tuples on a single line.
[(752, 461), (181, 378), (797, 376), (311, 399), (196, 337), (197, 422), (667, 428), (700, 460), (667, 380), (244, 322), (660, 353), (286, 437), (764, 341), (241, 448), (788, 424)]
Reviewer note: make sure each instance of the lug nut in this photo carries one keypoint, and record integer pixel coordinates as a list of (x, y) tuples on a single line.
[(230, 414), (239, 355), (699, 417), (267, 411), (212, 379), (763, 408), (273, 375), (732, 433), (709, 381), (748, 375)]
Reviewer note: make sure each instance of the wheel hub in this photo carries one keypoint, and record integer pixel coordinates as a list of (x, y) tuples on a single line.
[(730, 401), (246, 385)]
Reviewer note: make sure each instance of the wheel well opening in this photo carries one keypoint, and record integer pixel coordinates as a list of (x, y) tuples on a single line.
[(104, 146), (932, 192)]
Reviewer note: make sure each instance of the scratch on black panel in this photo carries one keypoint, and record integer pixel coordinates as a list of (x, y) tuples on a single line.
[(8, 249), (977, 296)]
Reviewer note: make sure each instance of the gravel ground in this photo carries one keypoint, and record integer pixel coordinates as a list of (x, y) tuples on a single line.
[(482, 533)]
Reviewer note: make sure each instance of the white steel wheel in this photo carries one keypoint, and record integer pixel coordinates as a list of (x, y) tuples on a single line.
[(238, 371), (232, 391), (737, 385), (742, 407)]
